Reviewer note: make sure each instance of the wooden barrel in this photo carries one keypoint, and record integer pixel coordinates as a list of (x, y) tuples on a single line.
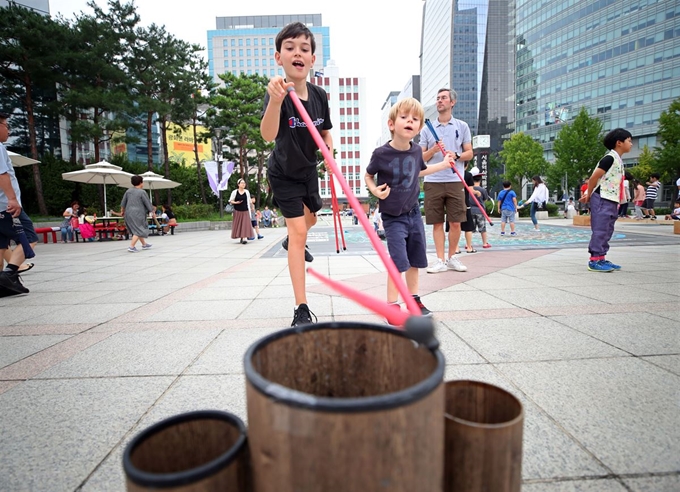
[(483, 438), (345, 406), (192, 452)]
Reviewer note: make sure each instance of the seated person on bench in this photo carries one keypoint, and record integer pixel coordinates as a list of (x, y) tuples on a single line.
[(168, 218)]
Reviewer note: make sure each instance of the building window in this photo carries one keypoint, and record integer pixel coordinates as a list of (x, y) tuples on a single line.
[(255, 40), (225, 42), (271, 41), (233, 63), (249, 62), (226, 53), (240, 42), (264, 62), (248, 42), (264, 41), (233, 42), (271, 51), (248, 52), (240, 63), (272, 72), (240, 52), (233, 52), (256, 52), (257, 62)]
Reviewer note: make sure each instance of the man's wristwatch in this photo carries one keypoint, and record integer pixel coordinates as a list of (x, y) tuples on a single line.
[(457, 155)]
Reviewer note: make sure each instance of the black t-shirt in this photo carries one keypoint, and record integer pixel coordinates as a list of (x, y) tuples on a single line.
[(294, 154), (400, 170), (243, 198), (170, 214)]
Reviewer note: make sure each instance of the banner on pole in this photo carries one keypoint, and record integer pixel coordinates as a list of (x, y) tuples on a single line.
[(213, 177)]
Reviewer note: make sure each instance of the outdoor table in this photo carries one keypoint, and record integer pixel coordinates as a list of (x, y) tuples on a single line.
[(107, 227)]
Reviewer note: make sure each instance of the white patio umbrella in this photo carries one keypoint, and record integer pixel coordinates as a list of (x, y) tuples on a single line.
[(100, 173), (154, 181), (19, 160)]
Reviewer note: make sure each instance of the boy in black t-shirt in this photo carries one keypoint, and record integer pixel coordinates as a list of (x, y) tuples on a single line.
[(292, 165), (398, 164)]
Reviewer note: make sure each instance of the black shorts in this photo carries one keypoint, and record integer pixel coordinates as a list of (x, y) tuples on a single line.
[(7, 231), (293, 195), (406, 241), (469, 224), (648, 204)]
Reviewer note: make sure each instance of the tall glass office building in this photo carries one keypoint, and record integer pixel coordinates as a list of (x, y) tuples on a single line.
[(620, 59), (467, 45), (245, 44)]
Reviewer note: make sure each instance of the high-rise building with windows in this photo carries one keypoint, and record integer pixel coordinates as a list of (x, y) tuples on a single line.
[(40, 6), (347, 102), (618, 59), (245, 44), (467, 45)]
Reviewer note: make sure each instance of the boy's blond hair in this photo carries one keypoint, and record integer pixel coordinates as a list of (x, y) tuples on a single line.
[(408, 106)]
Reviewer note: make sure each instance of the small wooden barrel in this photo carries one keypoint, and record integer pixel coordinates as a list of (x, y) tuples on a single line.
[(483, 438), (345, 406), (192, 452)]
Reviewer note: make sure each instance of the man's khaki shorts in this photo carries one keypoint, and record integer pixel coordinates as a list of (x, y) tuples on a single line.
[(444, 200)]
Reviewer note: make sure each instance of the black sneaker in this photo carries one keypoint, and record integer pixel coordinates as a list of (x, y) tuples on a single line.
[(308, 256), (424, 311), (303, 316), (11, 282)]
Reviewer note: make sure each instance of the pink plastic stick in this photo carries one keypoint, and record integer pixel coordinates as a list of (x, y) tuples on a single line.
[(342, 232), (391, 312), (335, 213), (354, 203)]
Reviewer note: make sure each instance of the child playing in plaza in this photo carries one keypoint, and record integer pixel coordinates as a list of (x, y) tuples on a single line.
[(653, 187), (507, 204), (676, 212), (398, 164), (605, 190), (477, 216), (292, 166)]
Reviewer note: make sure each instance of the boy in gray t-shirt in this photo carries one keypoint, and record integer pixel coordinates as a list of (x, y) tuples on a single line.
[(477, 215)]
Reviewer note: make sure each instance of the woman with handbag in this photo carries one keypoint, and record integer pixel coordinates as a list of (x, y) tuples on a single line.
[(538, 199), (241, 227)]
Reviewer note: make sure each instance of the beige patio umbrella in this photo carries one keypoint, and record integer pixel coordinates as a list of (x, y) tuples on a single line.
[(100, 173), (19, 160), (154, 181)]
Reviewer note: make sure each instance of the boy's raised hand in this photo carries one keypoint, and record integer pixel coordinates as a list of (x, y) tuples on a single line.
[(382, 191), (277, 89)]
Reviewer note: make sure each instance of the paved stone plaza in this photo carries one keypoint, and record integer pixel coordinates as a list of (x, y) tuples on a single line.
[(109, 342)]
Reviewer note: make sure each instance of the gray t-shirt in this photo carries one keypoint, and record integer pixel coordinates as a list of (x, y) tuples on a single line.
[(6, 168), (400, 170), (474, 209), (453, 135)]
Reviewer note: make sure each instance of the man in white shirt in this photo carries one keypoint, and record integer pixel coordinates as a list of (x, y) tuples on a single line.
[(444, 191)]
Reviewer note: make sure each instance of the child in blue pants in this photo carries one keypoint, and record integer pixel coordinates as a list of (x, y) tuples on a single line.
[(605, 190)]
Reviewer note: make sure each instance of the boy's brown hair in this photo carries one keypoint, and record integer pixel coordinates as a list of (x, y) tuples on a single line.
[(292, 31), (409, 105)]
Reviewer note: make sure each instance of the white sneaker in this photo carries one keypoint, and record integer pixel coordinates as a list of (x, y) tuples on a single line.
[(438, 267), (455, 264)]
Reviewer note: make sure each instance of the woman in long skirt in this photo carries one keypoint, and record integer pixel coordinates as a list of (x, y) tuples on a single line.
[(135, 207), (241, 227)]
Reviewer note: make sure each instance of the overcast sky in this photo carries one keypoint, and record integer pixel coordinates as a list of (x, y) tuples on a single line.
[(375, 39)]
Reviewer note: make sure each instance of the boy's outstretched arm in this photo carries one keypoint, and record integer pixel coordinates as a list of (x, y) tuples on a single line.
[(448, 161), (269, 126)]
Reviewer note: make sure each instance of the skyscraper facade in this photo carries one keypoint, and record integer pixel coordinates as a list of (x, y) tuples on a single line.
[(467, 45), (620, 59), (245, 44)]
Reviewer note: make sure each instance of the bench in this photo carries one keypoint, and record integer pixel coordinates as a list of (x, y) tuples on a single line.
[(47, 230)]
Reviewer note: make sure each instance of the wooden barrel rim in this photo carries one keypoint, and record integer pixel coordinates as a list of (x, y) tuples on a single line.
[(167, 480), (299, 399), (471, 423)]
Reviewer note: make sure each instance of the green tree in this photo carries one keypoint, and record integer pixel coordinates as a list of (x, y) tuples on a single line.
[(30, 56), (523, 158), (667, 153), (645, 166), (94, 89), (578, 148), (238, 106)]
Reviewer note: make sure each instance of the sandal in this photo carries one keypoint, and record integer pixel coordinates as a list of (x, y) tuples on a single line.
[(473, 250), (28, 267)]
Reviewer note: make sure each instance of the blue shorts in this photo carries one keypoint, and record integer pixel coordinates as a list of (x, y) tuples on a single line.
[(508, 216), (7, 232), (406, 240), (29, 230)]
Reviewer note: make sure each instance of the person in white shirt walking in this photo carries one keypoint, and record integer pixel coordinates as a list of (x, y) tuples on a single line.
[(538, 199)]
